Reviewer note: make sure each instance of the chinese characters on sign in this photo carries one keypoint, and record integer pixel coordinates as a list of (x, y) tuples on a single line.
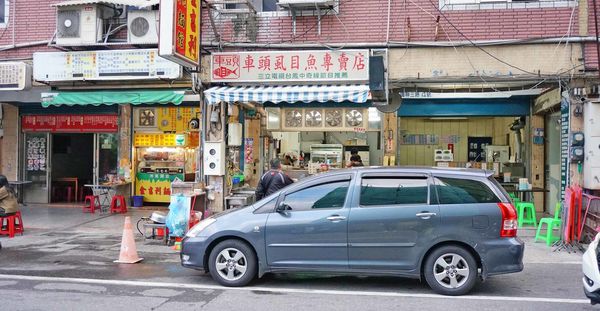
[(101, 123), (103, 65), (342, 65), (180, 31), (36, 154)]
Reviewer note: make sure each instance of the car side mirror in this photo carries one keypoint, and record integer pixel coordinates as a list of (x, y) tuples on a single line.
[(282, 208)]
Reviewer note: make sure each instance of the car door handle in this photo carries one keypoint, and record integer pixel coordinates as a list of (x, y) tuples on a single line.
[(425, 215), (336, 218)]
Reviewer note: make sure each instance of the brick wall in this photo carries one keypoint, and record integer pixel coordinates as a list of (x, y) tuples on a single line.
[(366, 21), (35, 20), (357, 21)]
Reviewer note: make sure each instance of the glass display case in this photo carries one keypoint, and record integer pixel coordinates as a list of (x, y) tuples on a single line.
[(161, 159), (330, 154)]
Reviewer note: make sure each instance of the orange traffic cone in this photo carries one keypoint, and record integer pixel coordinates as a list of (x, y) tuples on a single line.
[(128, 250)]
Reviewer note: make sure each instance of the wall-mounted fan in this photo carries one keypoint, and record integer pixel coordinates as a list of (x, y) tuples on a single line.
[(314, 118), (333, 117), (293, 118), (354, 118), (147, 117)]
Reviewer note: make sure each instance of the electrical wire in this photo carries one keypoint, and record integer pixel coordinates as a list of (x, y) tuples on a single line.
[(477, 46), (295, 37)]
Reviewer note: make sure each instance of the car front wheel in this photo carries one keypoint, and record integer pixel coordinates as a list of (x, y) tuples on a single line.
[(232, 263), (451, 270)]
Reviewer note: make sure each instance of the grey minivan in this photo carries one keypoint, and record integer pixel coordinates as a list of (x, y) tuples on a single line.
[(449, 227)]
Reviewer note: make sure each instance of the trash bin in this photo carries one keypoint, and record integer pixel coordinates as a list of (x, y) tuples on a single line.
[(138, 200)]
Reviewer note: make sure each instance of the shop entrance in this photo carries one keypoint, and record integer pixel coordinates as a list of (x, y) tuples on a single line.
[(72, 166), (553, 161), (60, 164)]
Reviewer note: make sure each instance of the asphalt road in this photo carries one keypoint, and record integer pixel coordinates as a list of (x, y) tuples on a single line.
[(74, 270)]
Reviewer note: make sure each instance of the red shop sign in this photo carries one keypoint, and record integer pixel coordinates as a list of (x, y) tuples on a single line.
[(70, 123)]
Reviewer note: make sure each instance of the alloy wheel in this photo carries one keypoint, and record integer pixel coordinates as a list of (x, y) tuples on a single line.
[(231, 264), (451, 270)]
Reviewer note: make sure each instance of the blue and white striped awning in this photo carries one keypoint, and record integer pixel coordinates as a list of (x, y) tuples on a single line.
[(356, 93)]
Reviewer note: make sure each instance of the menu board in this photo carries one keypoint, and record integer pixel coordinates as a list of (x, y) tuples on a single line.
[(103, 65), (36, 153), (67, 123), (160, 140)]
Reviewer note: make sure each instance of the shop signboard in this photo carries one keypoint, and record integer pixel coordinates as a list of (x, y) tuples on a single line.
[(179, 38), (290, 66), (564, 144), (160, 140), (155, 187), (103, 65), (15, 76), (70, 123)]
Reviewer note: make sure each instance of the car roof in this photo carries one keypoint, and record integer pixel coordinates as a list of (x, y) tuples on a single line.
[(414, 169)]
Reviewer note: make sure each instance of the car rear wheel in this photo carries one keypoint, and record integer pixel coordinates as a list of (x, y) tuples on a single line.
[(232, 263), (451, 270)]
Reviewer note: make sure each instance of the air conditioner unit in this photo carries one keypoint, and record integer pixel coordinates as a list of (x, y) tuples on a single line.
[(306, 4), (142, 27), (78, 24), (15, 76)]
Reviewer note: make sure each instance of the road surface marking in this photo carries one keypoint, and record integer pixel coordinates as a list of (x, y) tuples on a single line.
[(288, 290)]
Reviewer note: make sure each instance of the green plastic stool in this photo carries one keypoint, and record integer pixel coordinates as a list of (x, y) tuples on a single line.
[(552, 223), (526, 214)]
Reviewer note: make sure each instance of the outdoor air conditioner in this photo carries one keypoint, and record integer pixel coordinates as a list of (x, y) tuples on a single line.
[(307, 4), (142, 27), (78, 24)]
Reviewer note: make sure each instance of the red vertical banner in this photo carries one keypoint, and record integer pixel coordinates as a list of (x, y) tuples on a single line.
[(180, 26)]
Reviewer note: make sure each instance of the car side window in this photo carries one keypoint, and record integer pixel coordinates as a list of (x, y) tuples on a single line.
[(323, 196), (377, 191), (267, 207), (463, 191)]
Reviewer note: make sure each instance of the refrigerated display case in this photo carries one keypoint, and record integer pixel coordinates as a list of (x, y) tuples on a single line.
[(169, 157), (330, 154)]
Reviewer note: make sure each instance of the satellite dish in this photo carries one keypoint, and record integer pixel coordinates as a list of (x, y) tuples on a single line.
[(391, 105)]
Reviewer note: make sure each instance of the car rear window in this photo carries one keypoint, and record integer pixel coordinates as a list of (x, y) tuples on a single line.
[(463, 191), (376, 191)]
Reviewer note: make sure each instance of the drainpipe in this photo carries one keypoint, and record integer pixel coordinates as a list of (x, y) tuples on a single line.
[(597, 46)]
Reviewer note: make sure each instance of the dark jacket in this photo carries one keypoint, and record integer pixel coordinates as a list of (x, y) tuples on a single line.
[(270, 182)]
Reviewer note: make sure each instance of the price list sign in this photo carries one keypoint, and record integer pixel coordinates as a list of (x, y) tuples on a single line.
[(65, 123), (36, 154), (564, 146)]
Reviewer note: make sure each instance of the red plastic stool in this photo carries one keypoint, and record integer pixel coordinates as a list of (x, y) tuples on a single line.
[(11, 224), (94, 203), (117, 204), (70, 195)]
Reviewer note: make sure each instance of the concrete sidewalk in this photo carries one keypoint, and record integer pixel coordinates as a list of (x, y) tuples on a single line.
[(41, 221)]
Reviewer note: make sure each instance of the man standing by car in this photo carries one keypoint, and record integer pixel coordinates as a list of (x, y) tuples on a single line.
[(272, 180)]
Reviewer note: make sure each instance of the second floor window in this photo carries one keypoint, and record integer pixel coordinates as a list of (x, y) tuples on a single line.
[(259, 5), (3, 12)]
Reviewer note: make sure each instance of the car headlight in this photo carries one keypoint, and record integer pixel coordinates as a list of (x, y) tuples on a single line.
[(192, 233)]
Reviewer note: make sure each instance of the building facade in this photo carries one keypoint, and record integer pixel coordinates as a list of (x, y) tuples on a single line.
[(465, 75)]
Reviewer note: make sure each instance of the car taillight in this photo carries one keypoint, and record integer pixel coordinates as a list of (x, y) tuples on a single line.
[(509, 220)]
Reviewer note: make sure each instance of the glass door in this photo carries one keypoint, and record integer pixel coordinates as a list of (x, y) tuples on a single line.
[(37, 167), (105, 157)]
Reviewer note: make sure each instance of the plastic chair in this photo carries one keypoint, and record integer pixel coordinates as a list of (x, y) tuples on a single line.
[(117, 204), (552, 223), (526, 214)]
